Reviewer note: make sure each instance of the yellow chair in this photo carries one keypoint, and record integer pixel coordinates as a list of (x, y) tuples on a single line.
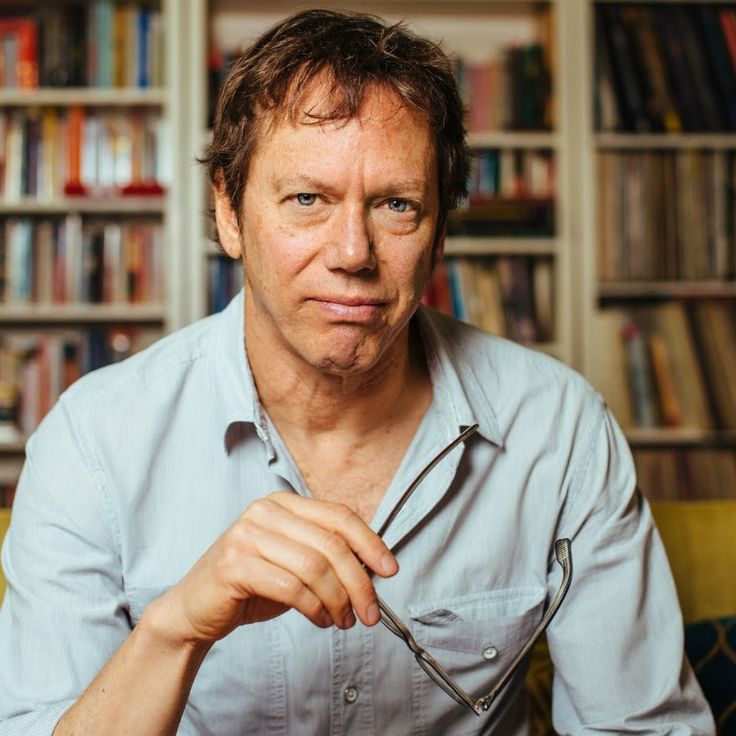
[(4, 524), (700, 539)]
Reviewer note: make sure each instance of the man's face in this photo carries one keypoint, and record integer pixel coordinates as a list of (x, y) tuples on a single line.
[(337, 230)]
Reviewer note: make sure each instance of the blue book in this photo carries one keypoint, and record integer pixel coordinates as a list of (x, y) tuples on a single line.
[(144, 48)]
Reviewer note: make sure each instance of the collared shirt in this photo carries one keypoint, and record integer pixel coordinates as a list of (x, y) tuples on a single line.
[(141, 466)]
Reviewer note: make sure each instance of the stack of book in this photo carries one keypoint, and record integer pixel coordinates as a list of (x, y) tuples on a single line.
[(71, 261), (97, 44), (224, 281), (36, 367), (508, 296), (665, 67), (678, 474), (511, 91), (670, 365), (46, 153), (667, 215)]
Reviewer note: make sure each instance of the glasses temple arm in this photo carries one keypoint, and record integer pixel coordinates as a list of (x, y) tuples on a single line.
[(564, 557), (422, 475)]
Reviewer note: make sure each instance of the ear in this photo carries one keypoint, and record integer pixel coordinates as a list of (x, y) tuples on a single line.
[(226, 220)]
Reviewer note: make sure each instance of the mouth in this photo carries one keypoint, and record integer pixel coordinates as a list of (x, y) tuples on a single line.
[(354, 309)]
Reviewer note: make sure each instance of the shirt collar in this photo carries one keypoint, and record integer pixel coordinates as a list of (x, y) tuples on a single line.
[(457, 389), (458, 392), (234, 394)]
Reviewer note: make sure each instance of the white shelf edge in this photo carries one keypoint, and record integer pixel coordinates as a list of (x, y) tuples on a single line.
[(675, 437), (513, 139), (664, 141), (88, 96), (64, 313), (63, 205), (458, 246), (644, 289)]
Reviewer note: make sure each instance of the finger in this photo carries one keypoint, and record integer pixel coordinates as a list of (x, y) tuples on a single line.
[(338, 517), (318, 556), (268, 584)]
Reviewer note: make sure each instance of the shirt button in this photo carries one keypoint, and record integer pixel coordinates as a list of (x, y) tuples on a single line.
[(489, 653), (350, 694)]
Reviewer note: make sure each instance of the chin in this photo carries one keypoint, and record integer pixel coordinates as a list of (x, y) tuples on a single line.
[(344, 358)]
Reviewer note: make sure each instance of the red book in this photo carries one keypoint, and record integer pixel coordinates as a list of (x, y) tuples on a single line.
[(25, 31)]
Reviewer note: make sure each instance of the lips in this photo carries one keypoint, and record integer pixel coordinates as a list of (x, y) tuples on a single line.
[(358, 309)]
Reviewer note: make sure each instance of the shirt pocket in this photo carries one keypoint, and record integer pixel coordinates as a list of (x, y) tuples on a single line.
[(474, 637)]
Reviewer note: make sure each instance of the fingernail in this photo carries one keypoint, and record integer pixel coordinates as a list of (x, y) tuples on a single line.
[(325, 620), (389, 565), (373, 613), (349, 620)]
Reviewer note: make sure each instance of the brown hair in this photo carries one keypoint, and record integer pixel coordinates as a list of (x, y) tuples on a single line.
[(354, 52)]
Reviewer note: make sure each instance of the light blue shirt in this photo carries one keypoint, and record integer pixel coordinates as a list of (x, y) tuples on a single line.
[(141, 466)]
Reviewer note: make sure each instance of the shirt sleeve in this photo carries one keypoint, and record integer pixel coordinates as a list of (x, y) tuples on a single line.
[(64, 612), (617, 642)]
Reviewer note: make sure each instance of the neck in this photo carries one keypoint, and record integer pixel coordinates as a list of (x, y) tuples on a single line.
[(305, 400)]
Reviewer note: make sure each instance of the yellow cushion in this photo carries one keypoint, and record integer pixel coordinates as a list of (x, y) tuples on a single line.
[(4, 523), (700, 539)]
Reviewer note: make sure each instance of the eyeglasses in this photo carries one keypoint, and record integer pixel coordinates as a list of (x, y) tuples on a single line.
[(426, 661)]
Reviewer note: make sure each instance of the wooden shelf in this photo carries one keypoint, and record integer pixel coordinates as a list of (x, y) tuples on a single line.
[(685, 437), (666, 289), (102, 205), (75, 313), (513, 139), (13, 448), (87, 96), (501, 246), (664, 141)]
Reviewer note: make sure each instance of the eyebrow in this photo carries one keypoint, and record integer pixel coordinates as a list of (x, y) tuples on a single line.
[(310, 184)]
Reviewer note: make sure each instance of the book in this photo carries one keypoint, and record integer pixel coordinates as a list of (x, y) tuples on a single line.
[(715, 333)]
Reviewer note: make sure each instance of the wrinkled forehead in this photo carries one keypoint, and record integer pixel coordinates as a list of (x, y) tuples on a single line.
[(319, 101)]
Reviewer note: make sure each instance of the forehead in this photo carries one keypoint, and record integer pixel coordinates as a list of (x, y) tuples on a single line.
[(385, 132)]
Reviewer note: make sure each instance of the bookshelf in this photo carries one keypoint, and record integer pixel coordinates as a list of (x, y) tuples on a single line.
[(670, 268), (129, 99), (589, 306), (479, 33)]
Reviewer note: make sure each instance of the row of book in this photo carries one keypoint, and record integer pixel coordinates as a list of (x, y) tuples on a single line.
[(665, 67), (98, 44), (511, 296), (686, 474), (511, 91), (35, 367), (512, 173), (670, 365), (507, 295), (48, 153), (667, 215), (68, 260), (224, 281)]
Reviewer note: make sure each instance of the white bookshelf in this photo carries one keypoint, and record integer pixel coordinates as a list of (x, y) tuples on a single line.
[(170, 209)]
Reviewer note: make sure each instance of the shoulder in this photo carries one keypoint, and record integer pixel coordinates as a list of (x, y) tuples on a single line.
[(510, 377), (157, 370)]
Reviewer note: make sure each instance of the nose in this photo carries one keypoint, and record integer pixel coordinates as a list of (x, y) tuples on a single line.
[(351, 244)]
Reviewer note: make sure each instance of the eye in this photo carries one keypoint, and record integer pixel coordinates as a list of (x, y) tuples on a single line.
[(306, 199), (398, 205)]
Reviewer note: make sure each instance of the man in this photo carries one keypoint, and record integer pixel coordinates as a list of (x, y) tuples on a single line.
[(199, 523)]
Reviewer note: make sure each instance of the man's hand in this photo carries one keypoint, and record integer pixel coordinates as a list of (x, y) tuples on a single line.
[(285, 551)]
